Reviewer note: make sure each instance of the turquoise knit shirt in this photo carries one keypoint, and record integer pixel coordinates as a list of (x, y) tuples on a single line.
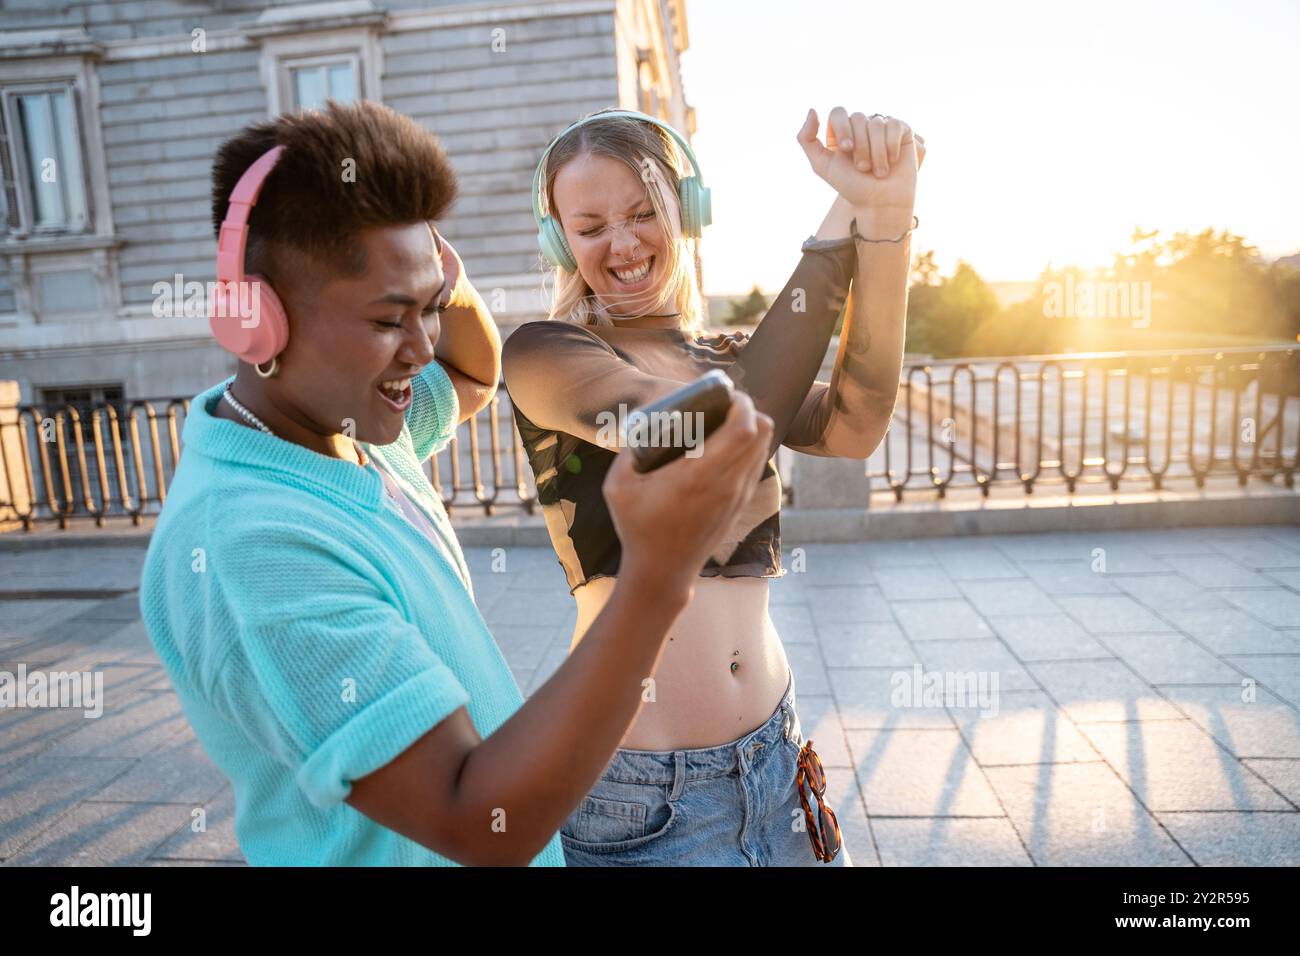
[(312, 633)]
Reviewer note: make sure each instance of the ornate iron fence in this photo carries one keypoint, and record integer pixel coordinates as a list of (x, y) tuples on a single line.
[(1137, 417), (1132, 417)]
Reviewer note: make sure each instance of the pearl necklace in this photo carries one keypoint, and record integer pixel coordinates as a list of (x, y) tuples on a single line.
[(256, 422), (244, 413)]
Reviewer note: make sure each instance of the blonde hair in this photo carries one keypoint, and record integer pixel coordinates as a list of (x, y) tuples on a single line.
[(650, 153)]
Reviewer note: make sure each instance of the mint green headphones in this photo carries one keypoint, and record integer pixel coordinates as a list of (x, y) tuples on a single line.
[(696, 202)]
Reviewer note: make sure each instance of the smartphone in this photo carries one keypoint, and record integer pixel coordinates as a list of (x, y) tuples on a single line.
[(664, 430)]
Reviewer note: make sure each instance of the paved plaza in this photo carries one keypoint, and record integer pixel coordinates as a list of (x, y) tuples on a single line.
[(1096, 698)]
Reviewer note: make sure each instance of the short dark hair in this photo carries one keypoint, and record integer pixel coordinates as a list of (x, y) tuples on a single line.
[(309, 205)]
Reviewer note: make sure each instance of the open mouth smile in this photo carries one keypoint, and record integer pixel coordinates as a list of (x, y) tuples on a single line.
[(396, 392)]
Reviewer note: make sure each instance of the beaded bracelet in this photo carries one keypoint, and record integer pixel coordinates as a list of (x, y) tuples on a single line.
[(853, 231)]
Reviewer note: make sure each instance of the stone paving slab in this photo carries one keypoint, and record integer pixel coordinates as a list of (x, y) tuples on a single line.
[(1216, 571), (1230, 630), (34, 794), (866, 701), (1082, 815), (1173, 765), (178, 772), (103, 834), (1101, 690), (1146, 715), (832, 566), (987, 657), (137, 727), (21, 622), (110, 568), (949, 841), (920, 773), (941, 620), (1264, 727), (1028, 728), (214, 842), (901, 584), (1275, 606), (1073, 576), (1007, 597), (877, 644), (1237, 839), (27, 732), (1288, 579), (1279, 673), (1109, 613), (1282, 775), (126, 644), (67, 639), (1171, 658), (977, 564), (1047, 637), (1163, 592), (848, 605), (1274, 548)]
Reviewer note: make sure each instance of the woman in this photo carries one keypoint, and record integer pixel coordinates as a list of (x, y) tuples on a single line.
[(707, 772)]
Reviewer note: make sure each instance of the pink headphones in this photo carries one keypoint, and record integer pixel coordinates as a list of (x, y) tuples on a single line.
[(260, 333), (245, 315)]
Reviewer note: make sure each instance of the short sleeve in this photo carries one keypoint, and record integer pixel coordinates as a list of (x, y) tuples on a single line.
[(434, 411), (325, 675)]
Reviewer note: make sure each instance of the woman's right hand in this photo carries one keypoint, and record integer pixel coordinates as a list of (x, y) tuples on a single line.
[(670, 520), (870, 161)]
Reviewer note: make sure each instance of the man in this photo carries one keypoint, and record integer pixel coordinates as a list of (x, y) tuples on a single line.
[(304, 588)]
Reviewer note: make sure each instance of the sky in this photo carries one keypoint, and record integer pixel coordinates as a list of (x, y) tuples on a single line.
[(1053, 129)]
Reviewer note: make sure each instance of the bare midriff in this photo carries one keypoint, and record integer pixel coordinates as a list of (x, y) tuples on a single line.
[(722, 672)]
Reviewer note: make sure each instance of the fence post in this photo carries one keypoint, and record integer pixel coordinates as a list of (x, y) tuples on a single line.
[(14, 500), (831, 497)]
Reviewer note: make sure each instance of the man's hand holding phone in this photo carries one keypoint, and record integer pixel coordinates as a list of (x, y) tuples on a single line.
[(670, 520)]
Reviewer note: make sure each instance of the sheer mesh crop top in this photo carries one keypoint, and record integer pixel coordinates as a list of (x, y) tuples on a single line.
[(561, 376)]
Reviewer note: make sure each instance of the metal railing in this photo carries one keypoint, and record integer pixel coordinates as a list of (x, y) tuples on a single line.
[(1102, 417), (1134, 417), (100, 462)]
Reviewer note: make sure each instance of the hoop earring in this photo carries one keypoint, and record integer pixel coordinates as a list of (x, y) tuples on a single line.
[(275, 367)]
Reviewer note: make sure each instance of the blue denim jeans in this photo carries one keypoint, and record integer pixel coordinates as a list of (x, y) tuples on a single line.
[(732, 805)]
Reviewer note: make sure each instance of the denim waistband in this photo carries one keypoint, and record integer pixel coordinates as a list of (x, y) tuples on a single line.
[(679, 766)]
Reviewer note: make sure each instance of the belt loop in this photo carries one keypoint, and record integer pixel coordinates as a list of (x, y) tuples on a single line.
[(679, 774)]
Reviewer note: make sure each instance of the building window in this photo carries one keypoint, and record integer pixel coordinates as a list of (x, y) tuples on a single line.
[(305, 83), (314, 83), (305, 61), (41, 150), (84, 398)]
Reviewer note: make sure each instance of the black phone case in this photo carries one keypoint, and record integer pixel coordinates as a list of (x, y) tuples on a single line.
[(709, 395)]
